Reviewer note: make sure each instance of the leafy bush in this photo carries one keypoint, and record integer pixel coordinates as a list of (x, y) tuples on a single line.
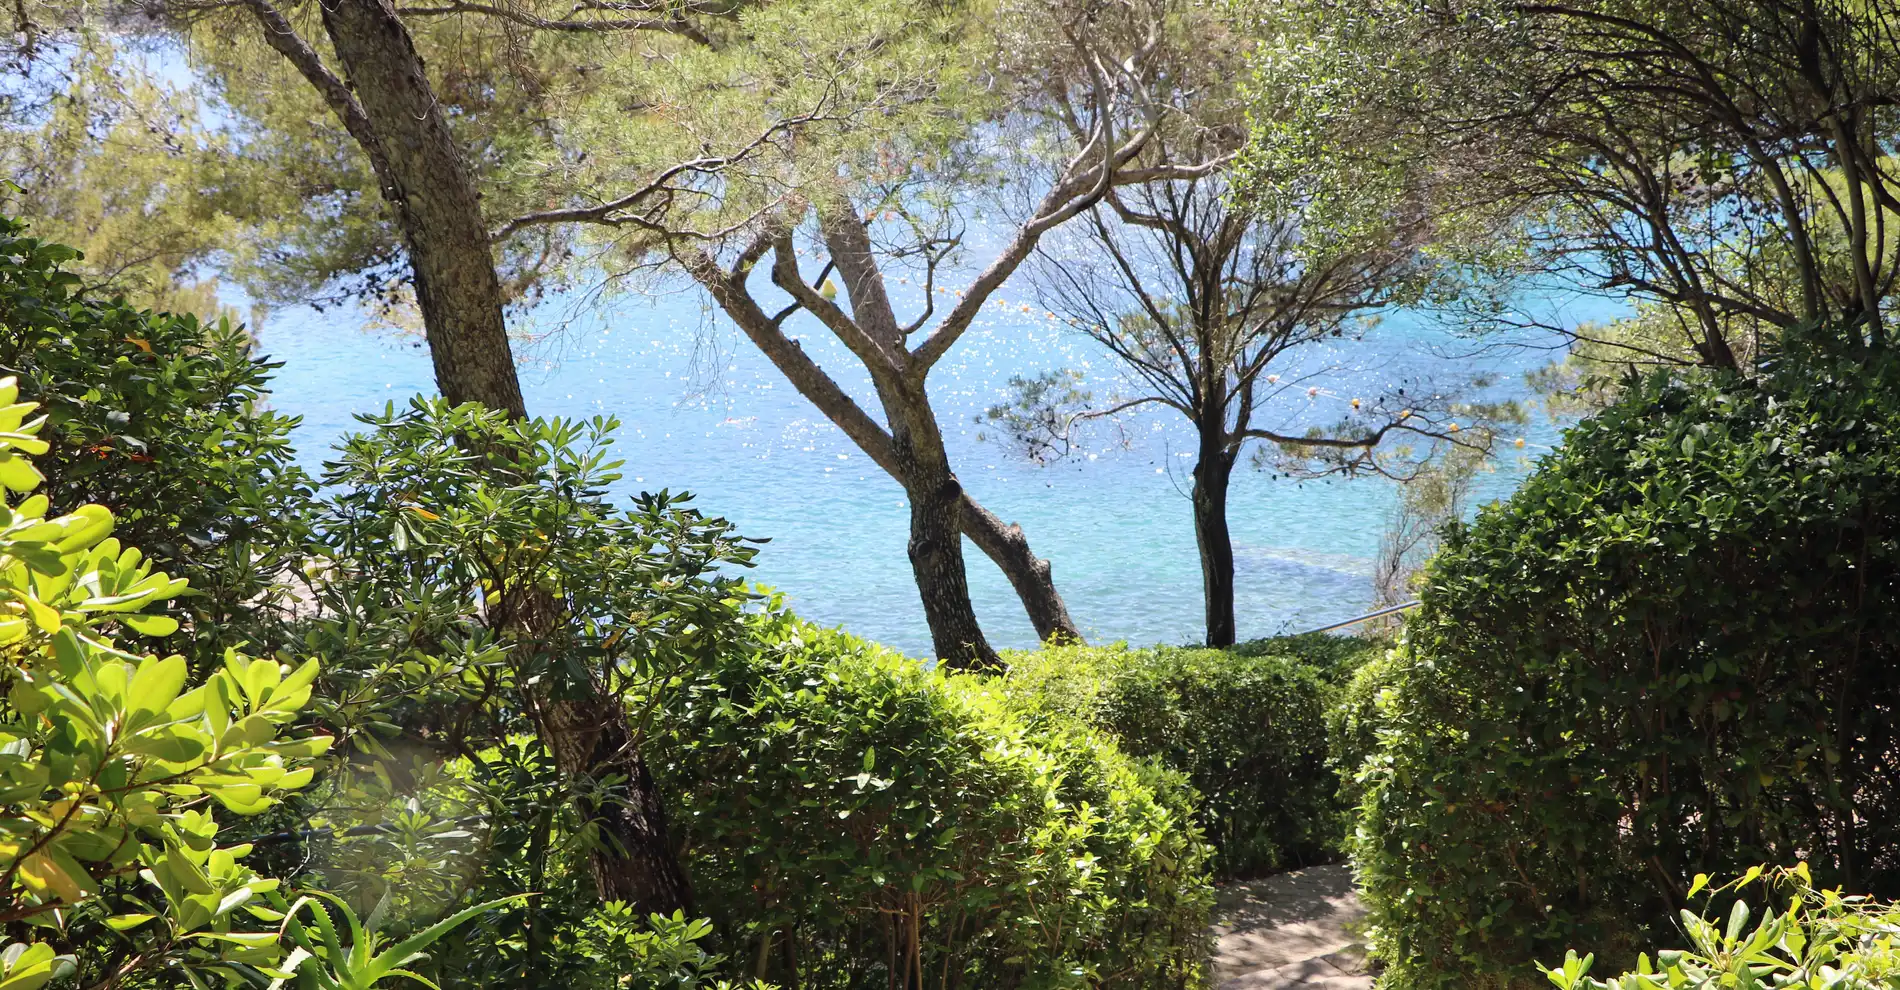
[(1821, 939), (1247, 728), (855, 820), (160, 419), (1353, 723), (497, 825), (322, 960), (446, 528), (436, 527), (107, 760), (475, 577), (1673, 651)]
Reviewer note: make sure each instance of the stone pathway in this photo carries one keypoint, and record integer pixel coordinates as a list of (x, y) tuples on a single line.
[(1292, 930)]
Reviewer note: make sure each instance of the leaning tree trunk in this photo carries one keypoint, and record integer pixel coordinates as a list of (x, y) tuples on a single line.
[(936, 528), (1031, 576), (428, 181), (1211, 477)]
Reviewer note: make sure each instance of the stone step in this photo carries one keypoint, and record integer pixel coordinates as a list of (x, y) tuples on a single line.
[(1344, 969)]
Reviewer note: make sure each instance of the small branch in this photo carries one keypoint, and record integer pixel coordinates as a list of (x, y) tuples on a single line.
[(664, 25), (605, 213), (280, 35)]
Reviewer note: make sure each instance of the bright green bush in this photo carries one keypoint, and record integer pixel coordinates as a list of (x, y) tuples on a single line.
[(1675, 650), (111, 769), (1246, 728), (1821, 938), (851, 817), (1353, 723)]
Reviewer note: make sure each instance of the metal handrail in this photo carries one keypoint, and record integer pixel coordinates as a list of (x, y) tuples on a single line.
[(1353, 622)]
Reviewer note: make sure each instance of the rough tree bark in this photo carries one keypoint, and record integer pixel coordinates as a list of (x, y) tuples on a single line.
[(936, 540), (1031, 576), (390, 108), (426, 178), (637, 863), (1213, 473)]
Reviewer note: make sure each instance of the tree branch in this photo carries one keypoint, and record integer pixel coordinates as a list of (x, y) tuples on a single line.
[(280, 35), (665, 25)]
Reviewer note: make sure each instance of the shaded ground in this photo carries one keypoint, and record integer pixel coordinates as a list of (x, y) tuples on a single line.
[(1292, 930)]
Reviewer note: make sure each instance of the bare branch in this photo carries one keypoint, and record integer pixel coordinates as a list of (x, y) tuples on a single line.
[(671, 24), (280, 35)]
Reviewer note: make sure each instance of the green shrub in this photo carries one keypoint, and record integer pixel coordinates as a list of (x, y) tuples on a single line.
[(1823, 938), (1673, 651), (1246, 728), (441, 529), (160, 419), (1336, 658), (853, 819), (113, 771), (1353, 723)]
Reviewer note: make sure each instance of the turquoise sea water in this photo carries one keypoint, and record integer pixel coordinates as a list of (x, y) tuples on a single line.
[(701, 411)]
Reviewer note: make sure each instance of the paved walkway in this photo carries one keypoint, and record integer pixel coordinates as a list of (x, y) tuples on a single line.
[(1291, 930)]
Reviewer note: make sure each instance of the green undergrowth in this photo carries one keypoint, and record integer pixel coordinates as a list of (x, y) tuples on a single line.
[(1247, 728)]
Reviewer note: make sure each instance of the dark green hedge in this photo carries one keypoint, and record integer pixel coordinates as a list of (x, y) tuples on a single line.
[(1248, 728), (1676, 650), (162, 419), (851, 817)]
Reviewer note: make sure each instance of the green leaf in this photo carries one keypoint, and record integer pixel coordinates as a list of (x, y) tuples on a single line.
[(19, 474), (150, 625), (156, 685), (44, 616)]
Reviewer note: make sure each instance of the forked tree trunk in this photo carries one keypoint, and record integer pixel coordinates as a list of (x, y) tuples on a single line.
[(1031, 576), (1212, 474), (903, 403), (427, 179)]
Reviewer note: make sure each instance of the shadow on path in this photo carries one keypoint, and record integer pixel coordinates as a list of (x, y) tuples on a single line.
[(1295, 929)]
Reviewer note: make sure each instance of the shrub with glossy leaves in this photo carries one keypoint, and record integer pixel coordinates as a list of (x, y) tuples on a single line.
[(448, 529), (1675, 650), (1247, 728), (853, 819), (110, 766), (1805, 938)]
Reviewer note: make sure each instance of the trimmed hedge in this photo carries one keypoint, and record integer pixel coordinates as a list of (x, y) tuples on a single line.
[(1248, 728), (852, 819), (1675, 650)]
